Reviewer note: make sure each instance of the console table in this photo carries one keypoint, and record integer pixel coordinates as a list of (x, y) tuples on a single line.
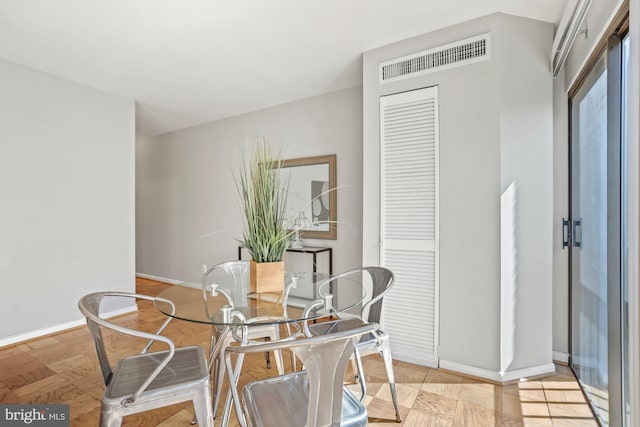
[(313, 250)]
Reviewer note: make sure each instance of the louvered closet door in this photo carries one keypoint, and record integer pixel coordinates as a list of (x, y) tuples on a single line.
[(409, 222)]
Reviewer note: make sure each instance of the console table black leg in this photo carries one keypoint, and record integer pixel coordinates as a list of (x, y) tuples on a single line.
[(330, 261)]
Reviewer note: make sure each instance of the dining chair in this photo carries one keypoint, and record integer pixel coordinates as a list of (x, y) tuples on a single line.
[(313, 397), (232, 278), (147, 381), (381, 280)]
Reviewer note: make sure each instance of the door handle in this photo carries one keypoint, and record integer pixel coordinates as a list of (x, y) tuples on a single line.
[(566, 233), (577, 233)]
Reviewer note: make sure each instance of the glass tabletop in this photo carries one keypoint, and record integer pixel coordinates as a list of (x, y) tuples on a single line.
[(237, 305)]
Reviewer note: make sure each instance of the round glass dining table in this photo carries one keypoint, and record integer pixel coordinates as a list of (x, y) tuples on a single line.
[(229, 304), (306, 296)]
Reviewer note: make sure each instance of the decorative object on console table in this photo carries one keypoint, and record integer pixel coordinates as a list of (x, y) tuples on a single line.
[(300, 223), (266, 235)]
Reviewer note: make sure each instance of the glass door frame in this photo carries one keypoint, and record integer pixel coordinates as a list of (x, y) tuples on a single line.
[(587, 289), (612, 53)]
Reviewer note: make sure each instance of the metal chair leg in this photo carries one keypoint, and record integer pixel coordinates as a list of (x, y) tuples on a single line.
[(388, 364), (217, 365), (202, 406), (229, 401), (267, 357), (360, 374)]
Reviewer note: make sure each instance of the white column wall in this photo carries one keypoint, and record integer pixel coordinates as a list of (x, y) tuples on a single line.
[(526, 165)]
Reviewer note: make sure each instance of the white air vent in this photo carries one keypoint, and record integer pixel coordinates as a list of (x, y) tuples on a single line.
[(452, 55)]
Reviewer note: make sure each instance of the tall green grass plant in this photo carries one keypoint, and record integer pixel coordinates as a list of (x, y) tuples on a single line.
[(263, 199)]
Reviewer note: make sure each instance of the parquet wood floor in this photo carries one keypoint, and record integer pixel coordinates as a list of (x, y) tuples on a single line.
[(63, 368)]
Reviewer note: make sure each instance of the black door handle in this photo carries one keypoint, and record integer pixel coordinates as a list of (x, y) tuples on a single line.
[(577, 233)]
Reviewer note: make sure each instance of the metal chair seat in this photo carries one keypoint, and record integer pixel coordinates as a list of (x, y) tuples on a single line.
[(277, 402), (187, 369), (367, 341), (147, 381)]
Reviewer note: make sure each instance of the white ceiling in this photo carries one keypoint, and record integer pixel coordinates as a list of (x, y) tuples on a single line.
[(194, 61)]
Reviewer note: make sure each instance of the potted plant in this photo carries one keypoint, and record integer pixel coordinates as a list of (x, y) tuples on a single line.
[(263, 198)]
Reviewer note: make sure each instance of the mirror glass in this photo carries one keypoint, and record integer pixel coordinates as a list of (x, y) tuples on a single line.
[(311, 197)]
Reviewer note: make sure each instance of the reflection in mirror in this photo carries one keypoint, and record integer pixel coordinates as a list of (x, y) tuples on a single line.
[(308, 196), (311, 199)]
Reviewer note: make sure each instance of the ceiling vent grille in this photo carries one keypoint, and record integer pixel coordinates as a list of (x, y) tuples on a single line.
[(452, 55)]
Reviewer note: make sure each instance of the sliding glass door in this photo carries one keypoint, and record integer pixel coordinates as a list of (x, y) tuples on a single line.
[(597, 230), (588, 226)]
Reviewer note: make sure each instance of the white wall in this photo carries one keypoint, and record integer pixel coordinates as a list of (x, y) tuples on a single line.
[(67, 198), (469, 187), (526, 150), (495, 128), (560, 211), (187, 208)]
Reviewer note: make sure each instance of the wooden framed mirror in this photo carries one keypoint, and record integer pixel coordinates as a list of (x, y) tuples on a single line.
[(312, 201)]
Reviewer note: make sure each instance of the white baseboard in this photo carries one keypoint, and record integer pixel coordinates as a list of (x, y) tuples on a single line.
[(159, 279), (559, 356), (420, 361), (196, 285), (501, 377), (14, 339)]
